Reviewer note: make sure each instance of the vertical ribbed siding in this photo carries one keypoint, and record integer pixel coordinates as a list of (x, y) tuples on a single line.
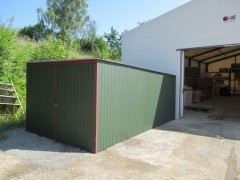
[(75, 110), (39, 117), (62, 102), (131, 101)]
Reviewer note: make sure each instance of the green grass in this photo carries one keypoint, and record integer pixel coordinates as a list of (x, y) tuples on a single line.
[(10, 122), (73, 54)]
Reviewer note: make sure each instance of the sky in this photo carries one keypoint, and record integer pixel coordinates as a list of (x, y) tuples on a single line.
[(120, 14)]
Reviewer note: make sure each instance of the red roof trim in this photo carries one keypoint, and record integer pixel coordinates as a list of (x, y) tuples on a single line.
[(80, 61)]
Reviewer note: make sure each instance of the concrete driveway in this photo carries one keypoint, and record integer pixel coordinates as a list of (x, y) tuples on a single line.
[(200, 146)]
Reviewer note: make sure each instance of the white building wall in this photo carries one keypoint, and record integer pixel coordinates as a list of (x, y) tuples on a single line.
[(198, 23)]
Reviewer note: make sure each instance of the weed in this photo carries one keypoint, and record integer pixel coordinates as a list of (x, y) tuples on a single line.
[(10, 122)]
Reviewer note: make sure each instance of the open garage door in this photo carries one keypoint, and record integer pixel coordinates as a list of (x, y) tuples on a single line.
[(212, 72)]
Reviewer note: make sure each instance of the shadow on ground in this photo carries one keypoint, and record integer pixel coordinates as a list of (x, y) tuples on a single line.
[(223, 122), (23, 140)]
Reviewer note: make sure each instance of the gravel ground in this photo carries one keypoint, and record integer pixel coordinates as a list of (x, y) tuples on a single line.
[(200, 146), (32, 149)]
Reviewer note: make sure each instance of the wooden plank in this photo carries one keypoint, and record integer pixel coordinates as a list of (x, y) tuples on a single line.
[(10, 104), (6, 92), (17, 97), (5, 86), (4, 96), (8, 108), (7, 99)]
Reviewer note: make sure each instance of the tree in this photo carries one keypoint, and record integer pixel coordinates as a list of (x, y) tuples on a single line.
[(37, 32), (51, 49), (90, 34), (7, 46), (114, 41), (65, 17), (96, 47)]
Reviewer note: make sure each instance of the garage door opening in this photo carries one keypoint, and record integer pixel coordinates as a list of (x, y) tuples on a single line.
[(211, 75)]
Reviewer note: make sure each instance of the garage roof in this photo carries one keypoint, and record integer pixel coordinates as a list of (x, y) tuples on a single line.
[(212, 54)]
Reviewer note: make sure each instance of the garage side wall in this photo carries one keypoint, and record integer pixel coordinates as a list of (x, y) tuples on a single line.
[(131, 101)]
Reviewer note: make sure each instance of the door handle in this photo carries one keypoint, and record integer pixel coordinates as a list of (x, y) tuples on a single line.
[(55, 102)]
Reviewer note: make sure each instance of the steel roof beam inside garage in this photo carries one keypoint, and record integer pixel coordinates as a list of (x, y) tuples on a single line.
[(193, 60), (206, 59), (222, 59), (204, 53)]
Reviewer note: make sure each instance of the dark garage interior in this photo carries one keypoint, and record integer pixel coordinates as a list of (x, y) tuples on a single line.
[(210, 73)]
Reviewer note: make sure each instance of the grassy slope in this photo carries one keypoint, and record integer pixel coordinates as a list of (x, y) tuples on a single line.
[(14, 68)]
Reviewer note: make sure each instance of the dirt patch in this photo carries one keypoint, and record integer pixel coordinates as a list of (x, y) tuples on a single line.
[(111, 161), (133, 142), (232, 171), (191, 146), (18, 170), (2, 157), (124, 163)]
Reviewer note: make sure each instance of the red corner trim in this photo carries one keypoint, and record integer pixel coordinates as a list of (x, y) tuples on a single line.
[(96, 113)]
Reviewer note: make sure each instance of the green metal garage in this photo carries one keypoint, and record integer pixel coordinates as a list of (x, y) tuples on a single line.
[(94, 104)]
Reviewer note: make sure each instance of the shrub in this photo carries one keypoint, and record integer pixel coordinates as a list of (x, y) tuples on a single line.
[(49, 50)]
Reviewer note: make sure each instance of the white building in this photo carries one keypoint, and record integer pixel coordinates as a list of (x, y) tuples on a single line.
[(207, 30)]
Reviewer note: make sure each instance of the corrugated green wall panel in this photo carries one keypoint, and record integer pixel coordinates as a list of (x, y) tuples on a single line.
[(166, 102), (75, 110), (40, 100), (131, 101), (61, 102)]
